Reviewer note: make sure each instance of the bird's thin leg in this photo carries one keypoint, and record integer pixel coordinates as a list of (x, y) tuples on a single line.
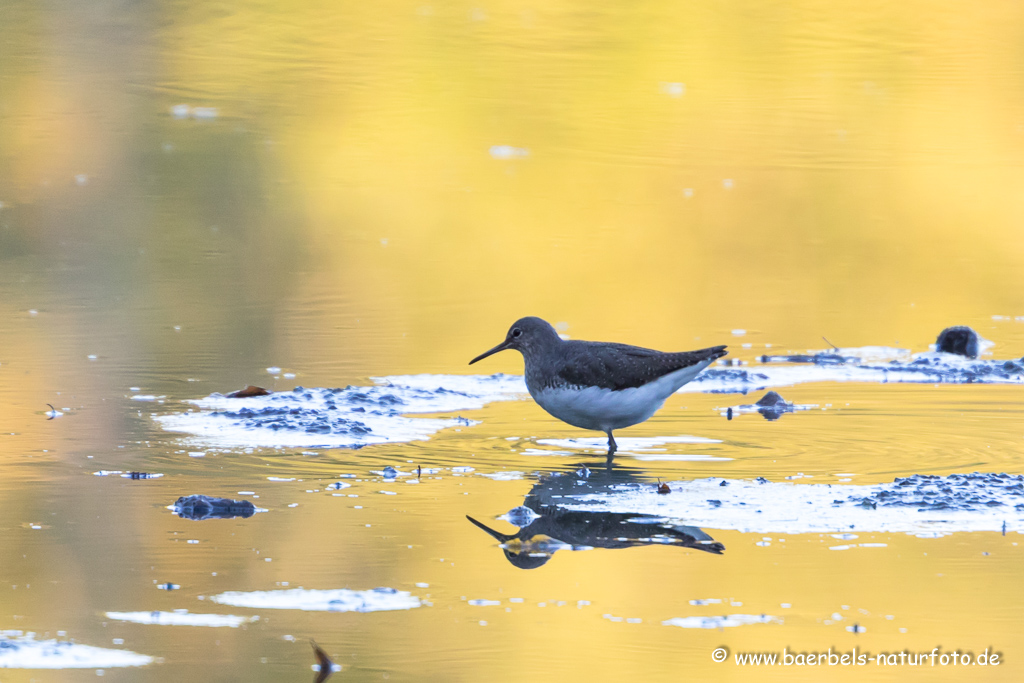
[(612, 446)]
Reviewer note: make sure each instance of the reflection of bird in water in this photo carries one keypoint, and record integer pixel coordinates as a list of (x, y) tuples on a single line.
[(327, 667), (556, 528), (599, 385)]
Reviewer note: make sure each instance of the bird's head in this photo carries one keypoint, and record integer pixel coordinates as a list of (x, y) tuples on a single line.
[(526, 336)]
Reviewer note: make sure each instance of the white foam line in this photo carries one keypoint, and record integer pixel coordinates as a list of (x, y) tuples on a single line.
[(772, 375), (726, 621), (336, 600), (22, 651), (182, 618)]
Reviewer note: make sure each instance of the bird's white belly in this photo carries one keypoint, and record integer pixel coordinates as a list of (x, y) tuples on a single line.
[(605, 410)]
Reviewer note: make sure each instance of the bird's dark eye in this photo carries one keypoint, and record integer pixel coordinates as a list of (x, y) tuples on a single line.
[(517, 332)]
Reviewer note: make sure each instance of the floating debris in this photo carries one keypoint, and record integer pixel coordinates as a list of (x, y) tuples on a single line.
[(128, 475), (141, 475), (199, 507), (771, 407), (324, 666), (248, 392), (168, 586), (959, 340)]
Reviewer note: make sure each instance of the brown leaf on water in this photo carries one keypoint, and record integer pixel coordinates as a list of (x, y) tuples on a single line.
[(249, 392), (326, 665), (663, 488)]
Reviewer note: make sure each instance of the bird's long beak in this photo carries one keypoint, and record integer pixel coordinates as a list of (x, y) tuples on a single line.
[(500, 347), (497, 535)]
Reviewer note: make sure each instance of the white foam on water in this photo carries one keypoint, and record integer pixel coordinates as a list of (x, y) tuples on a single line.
[(388, 411), (312, 600), (918, 368), (22, 651), (874, 353), (504, 476), (542, 452), (353, 416), (793, 508), (182, 618), (726, 621), (508, 152)]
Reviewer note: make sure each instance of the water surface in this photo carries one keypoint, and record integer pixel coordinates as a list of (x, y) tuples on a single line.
[(193, 194)]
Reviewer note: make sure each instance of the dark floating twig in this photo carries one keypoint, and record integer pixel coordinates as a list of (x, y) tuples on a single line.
[(140, 475), (249, 391), (326, 665), (830, 343), (53, 412)]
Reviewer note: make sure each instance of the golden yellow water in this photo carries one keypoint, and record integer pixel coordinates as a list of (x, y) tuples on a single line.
[(793, 169)]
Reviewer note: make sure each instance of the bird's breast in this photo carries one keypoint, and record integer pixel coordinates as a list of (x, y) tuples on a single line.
[(597, 408)]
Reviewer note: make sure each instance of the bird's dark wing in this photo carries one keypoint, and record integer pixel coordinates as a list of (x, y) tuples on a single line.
[(620, 366)]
